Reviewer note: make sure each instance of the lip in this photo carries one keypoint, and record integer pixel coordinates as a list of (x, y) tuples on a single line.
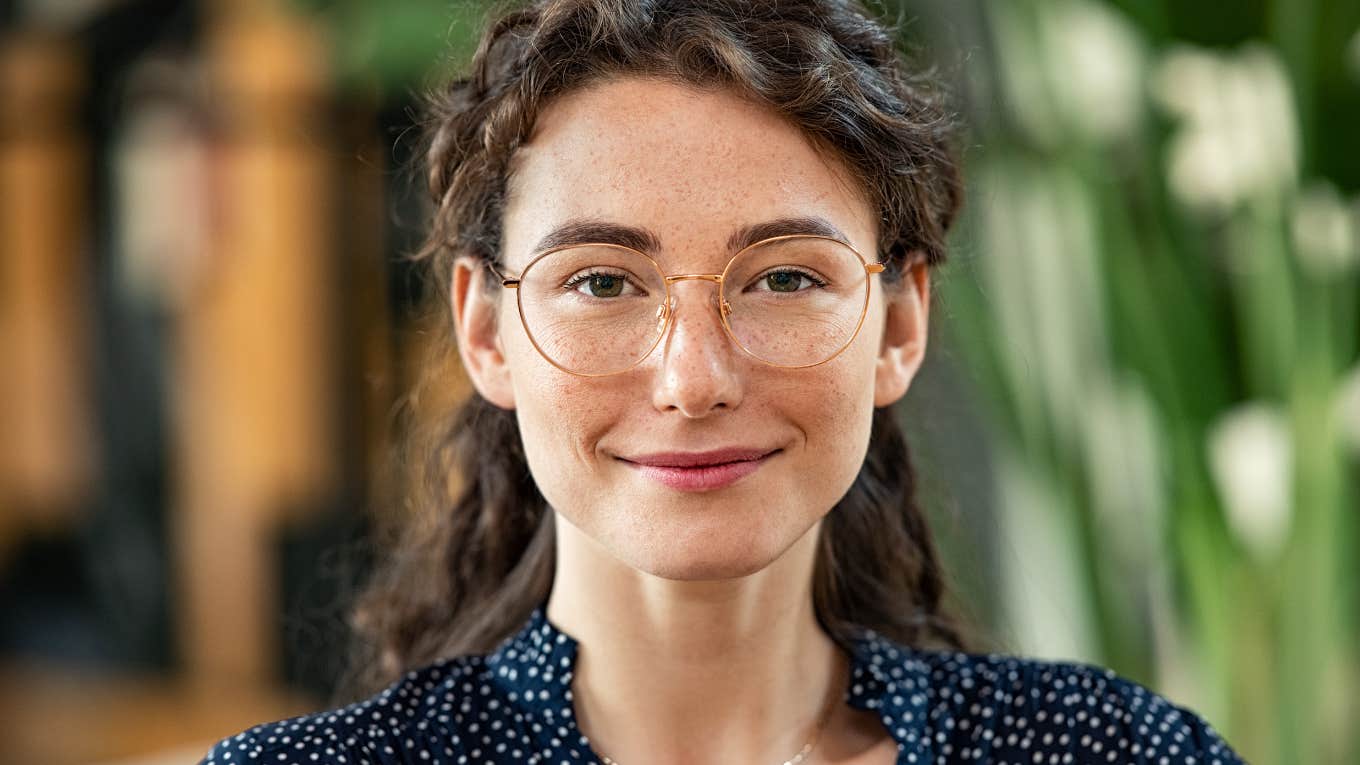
[(700, 471)]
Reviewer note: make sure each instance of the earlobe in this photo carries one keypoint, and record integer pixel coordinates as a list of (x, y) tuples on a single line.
[(476, 327), (907, 309)]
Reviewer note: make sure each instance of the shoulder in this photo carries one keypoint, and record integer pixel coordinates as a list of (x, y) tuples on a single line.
[(1020, 707), (413, 717)]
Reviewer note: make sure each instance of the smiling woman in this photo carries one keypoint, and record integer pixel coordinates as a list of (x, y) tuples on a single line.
[(685, 529)]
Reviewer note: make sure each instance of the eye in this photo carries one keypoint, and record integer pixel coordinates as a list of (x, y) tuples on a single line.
[(786, 279), (600, 284)]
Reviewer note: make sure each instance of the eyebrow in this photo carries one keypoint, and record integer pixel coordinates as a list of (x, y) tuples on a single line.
[(594, 230)]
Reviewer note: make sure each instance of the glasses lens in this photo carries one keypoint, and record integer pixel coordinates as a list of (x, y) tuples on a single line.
[(593, 309), (797, 301)]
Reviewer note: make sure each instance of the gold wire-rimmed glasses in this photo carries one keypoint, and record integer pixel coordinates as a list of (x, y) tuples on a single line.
[(598, 309)]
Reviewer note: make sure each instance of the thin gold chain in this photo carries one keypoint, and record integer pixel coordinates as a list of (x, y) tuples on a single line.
[(803, 753)]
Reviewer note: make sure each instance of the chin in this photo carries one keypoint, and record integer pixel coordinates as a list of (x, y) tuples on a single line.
[(681, 569), (694, 556)]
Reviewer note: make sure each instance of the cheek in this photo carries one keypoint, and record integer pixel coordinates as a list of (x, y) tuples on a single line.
[(561, 419), (557, 415), (837, 418), (834, 405)]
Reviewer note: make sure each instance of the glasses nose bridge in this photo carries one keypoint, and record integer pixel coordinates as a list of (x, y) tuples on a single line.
[(715, 279), (667, 313), (673, 278)]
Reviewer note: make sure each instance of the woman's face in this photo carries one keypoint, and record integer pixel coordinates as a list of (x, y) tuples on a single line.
[(691, 168)]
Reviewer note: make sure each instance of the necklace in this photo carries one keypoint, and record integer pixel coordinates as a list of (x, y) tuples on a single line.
[(802, 753)]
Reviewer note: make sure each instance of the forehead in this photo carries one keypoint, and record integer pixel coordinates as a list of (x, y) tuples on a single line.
[(690, 166)]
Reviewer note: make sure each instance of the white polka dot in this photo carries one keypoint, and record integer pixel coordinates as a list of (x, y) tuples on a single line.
[(515, 705)]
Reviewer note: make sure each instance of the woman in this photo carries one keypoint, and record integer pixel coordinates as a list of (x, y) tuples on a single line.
[(686, 248)]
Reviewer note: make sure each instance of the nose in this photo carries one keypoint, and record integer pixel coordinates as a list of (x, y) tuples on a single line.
[(699, 371)]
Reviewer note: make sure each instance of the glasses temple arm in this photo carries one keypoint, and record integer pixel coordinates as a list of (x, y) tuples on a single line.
[(505, 281)]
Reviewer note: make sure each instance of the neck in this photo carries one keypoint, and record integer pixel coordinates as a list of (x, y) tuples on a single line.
[(670, 671)]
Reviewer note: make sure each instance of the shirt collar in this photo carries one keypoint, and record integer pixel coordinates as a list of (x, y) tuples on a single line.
[(535, 668)]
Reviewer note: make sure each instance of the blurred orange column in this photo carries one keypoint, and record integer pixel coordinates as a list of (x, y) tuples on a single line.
[(256, 356), (47, 437)]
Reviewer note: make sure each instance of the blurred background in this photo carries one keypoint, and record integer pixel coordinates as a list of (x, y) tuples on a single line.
[(1138, 426)]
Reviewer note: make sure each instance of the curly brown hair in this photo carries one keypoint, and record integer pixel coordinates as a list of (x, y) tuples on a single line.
[(474, 553)]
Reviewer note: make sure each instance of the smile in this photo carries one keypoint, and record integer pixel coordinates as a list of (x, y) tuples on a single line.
[(700, 471)]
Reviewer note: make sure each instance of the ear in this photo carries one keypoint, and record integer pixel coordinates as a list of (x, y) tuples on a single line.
[(904, 334), (475, 323)]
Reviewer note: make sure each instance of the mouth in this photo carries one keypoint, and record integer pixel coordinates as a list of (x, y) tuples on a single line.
[(700, 471)]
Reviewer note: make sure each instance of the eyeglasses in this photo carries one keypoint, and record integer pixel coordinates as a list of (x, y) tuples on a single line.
[(791, 301)]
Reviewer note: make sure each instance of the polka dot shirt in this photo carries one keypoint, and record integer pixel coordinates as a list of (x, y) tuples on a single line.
[(514, 705)]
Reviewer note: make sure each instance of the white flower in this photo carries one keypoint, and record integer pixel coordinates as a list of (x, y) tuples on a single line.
[(1238, 137), (1094, 62), (1324, 231), (1071, 69), (1251, 458)]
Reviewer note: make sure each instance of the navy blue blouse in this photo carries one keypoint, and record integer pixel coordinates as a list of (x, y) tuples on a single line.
[(514, 705)]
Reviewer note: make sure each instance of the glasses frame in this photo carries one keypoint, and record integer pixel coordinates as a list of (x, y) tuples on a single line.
[(668, 304)]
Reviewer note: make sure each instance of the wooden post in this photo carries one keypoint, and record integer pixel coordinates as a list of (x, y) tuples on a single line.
[(255, 349), (47, 442)]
